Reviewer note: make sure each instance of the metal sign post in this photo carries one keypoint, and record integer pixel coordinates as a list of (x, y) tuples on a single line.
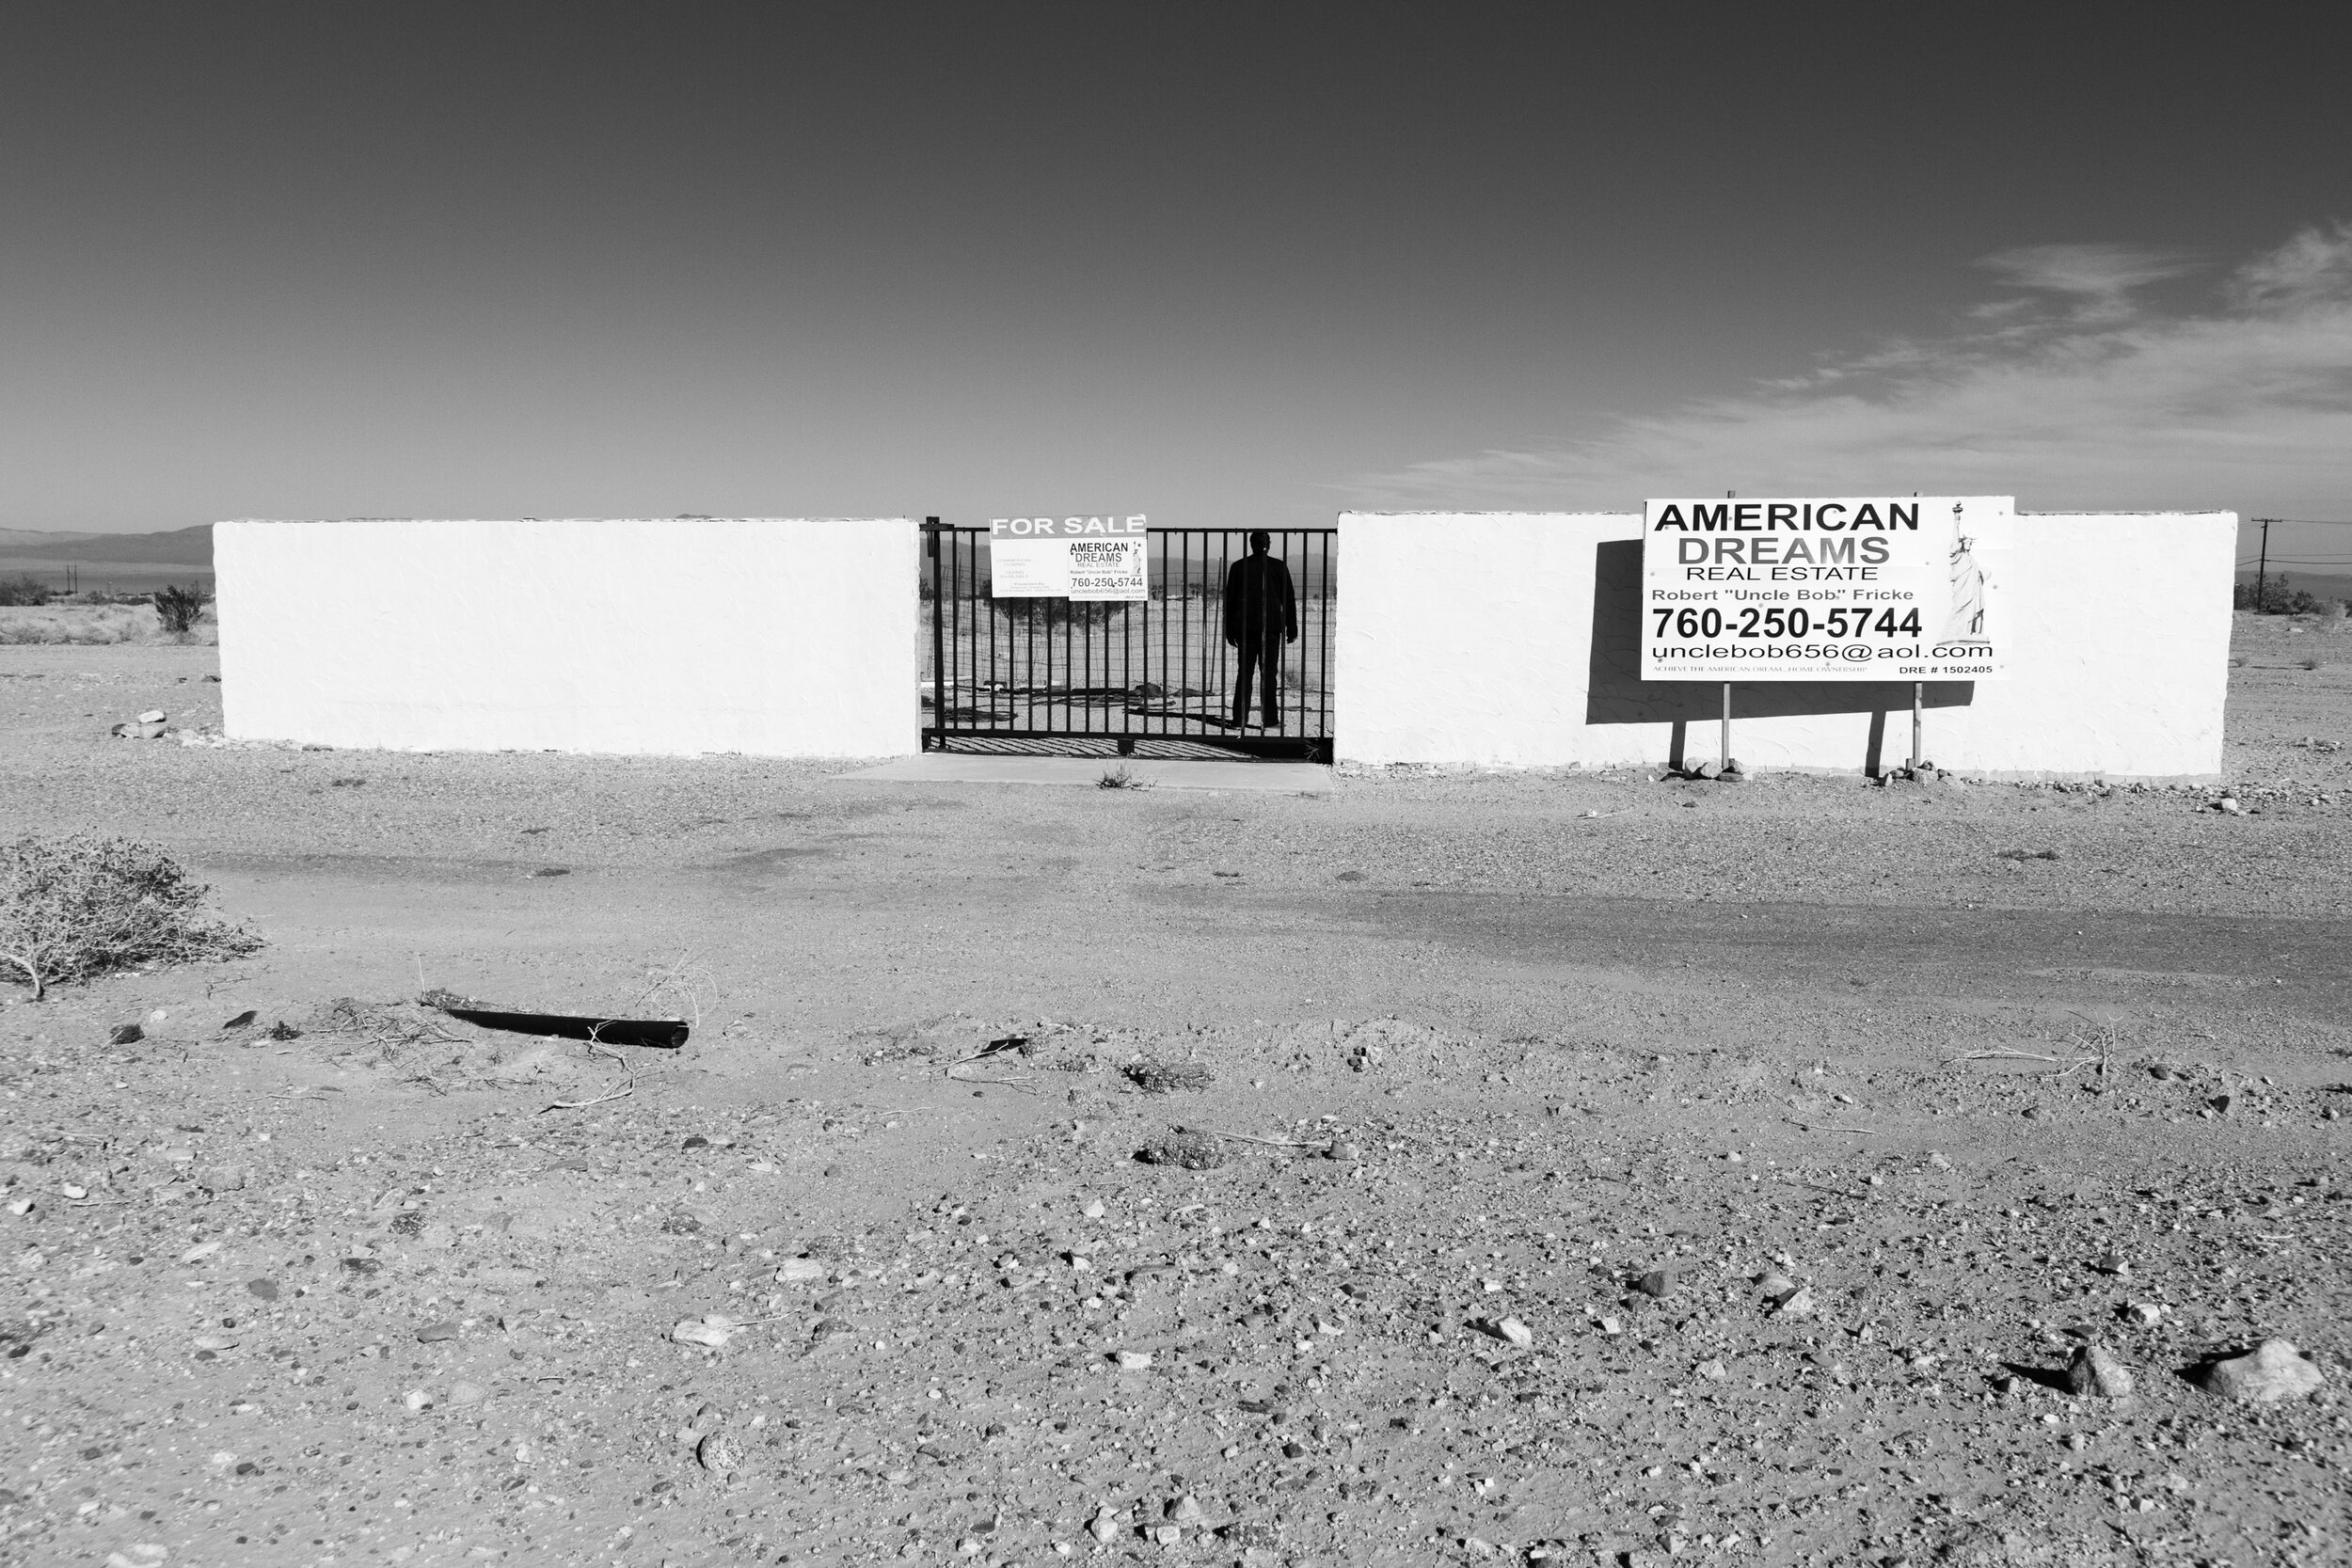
[(1722, 758), (1918, 700)]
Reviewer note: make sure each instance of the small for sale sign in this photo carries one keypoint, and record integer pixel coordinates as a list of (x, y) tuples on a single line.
[(1069, 558)]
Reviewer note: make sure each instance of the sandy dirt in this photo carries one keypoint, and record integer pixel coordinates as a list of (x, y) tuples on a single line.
[(1525, 1102)]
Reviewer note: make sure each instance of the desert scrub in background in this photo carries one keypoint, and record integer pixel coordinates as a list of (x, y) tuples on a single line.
[(178, 608), (78, 906), (23, 588)]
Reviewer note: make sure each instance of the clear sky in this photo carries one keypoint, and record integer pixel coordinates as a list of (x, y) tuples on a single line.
[(1221, 263)]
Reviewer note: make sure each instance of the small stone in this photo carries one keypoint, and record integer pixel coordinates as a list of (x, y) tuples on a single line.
[(1656, 1283), (1133, 1360), (1094, 1210), (2095, 1372), (266, 1290), (1104, 1527), (433, 1334), (2114, 1263), (2228, 803), (1515, 1332), (2146, 1314), (125, 1033), (1796, 1303), (1166, 1535), (712, 1332), (152, 715), (1775, 1284), (2272, 1372), (799, 1271), (1186, 1510), (466, 1393), (74, 1190), (418, 1400), (718, 1453), (1713, 1370), (1346, 1152)]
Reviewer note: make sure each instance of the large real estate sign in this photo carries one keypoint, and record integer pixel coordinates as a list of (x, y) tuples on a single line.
[(1069, 558), (1838, 588)]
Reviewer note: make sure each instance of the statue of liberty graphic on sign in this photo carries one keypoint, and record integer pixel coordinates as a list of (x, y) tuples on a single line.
[(1966, 619)]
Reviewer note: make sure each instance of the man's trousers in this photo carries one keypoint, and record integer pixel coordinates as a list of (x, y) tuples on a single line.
[(1265, 656)]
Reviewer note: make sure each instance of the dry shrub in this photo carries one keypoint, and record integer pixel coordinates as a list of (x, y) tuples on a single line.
[(1154, 1076), (84, 905), (178, 608), (23, 588)]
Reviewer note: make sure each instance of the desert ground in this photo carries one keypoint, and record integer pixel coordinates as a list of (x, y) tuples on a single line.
[(1582, 1168)]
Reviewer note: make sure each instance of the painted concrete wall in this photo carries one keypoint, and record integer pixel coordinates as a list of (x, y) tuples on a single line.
[(773, 636), (1511, 639)]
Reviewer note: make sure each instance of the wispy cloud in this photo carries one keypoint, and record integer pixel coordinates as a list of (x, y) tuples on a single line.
[(2100, 277), (2072, 397)]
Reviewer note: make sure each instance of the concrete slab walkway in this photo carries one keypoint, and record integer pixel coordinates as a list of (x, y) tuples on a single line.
[(1086, 773)]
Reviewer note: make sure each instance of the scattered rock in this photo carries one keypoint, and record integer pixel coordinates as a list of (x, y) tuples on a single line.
[(125, 1033), (799, 1271), (1656, 1282), (1103, 1526), (2096, 1373), (466, 1393), (2274, 1371), (718, 1453), (2145, 1314), (1133, 1360), (712, 1331), (1514, 1332), (1188, 1150), (1154, 1076), (1796, 1303), (433, 1334)]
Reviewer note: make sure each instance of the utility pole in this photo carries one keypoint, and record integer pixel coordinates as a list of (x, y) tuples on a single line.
[(2262, 572)]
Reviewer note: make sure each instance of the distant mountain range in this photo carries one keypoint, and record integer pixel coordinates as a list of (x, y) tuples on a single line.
[(179, 546)]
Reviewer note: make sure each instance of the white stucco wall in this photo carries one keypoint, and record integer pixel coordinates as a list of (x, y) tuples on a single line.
[(1471, 637), (773, 636)]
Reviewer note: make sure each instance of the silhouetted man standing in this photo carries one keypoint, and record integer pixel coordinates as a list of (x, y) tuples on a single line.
[(1261, 614)]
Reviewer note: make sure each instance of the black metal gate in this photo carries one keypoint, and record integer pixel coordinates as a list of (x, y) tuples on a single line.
[(1157, 674)]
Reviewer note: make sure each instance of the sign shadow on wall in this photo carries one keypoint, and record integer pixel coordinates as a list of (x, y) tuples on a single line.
[(1616, 693)]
